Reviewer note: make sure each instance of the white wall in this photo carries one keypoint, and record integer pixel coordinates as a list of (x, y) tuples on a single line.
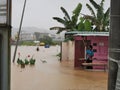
[(68, 50)]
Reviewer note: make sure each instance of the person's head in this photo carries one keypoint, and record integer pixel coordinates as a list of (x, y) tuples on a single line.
[(90, 47)]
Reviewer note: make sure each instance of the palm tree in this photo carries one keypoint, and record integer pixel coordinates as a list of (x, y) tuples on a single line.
[(100, 19), (70, 23)]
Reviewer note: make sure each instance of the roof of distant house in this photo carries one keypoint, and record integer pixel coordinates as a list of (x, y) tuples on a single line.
[(87, 33)]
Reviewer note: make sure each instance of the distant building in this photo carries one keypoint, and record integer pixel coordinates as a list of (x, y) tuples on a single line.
[(26, 36), (56, 37), (38, 35)]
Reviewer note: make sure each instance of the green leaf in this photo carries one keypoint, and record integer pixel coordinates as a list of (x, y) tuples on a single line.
[(26, 62), (91, 10), (80, 26), (87, 25), (66, 13), (32, 61), (60, 20), (94, 4), (77, 10)]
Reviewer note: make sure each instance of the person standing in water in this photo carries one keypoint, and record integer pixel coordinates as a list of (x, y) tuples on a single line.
[(89, 56)]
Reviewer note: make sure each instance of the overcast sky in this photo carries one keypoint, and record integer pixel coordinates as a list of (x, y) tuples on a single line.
[(39, 13)]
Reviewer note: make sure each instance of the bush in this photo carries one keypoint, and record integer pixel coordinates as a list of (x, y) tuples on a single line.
[(28, 43)]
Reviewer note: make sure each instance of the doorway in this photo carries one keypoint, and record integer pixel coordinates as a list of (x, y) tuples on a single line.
[(80, 48)]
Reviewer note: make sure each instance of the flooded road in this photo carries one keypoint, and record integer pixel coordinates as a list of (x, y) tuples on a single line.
[(53, 75)]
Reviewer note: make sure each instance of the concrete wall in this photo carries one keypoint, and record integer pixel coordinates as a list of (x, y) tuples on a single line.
[(5, 59), (68, 51)]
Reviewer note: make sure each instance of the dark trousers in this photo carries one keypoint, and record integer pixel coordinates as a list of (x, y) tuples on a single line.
[(89, 61)]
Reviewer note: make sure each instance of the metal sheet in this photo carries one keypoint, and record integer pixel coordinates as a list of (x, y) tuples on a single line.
[(3, 11)]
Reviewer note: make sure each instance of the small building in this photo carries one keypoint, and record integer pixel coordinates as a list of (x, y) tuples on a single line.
[(26, 36), (99, 41)]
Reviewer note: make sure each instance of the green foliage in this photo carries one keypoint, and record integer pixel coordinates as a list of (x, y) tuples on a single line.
[(87, 25), (56, 42), (26, 61), (91, 10), (67, 17), (69, 23), (77, 10), (47, 40), (76, 13), (60, 20), (28, 43), (69, 38), (59, 54), (19, 61), (100, 19), (81, 26), (32, 61), (84, 25)]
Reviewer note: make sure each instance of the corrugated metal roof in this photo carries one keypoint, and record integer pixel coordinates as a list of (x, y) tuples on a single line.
[(87, 33)]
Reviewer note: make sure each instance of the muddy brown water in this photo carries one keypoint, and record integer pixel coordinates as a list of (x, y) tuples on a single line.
[(53, 75)]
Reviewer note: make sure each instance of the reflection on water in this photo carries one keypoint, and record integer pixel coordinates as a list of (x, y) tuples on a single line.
[(53, 75)]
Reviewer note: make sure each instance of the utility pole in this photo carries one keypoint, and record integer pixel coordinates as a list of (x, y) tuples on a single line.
[(114, 47), (19, 31)]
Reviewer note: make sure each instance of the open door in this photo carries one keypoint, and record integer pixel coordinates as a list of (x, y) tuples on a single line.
[(79, 52), (80, 48)]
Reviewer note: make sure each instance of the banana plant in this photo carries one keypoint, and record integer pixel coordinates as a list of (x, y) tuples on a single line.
[(100, 19), (69, 23), (84, 25)]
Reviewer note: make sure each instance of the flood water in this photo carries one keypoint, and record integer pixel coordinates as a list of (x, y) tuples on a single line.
[(52, 74)]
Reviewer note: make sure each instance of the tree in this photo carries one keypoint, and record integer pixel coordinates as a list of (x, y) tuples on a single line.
[(99, 19), (46, 40), (70, 23)]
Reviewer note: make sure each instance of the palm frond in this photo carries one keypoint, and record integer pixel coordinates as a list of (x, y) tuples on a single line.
[(66, 20), (77, 10), (106, 17), (56, 28), (101, 9), (60, 29), (94, 4), (100, 14), (107, 13), (60, 20), (102, 3), (90, 8), (66, 13), (76, 13)]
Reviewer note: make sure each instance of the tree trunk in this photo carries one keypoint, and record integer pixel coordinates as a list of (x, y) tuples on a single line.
[(114, 47)]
